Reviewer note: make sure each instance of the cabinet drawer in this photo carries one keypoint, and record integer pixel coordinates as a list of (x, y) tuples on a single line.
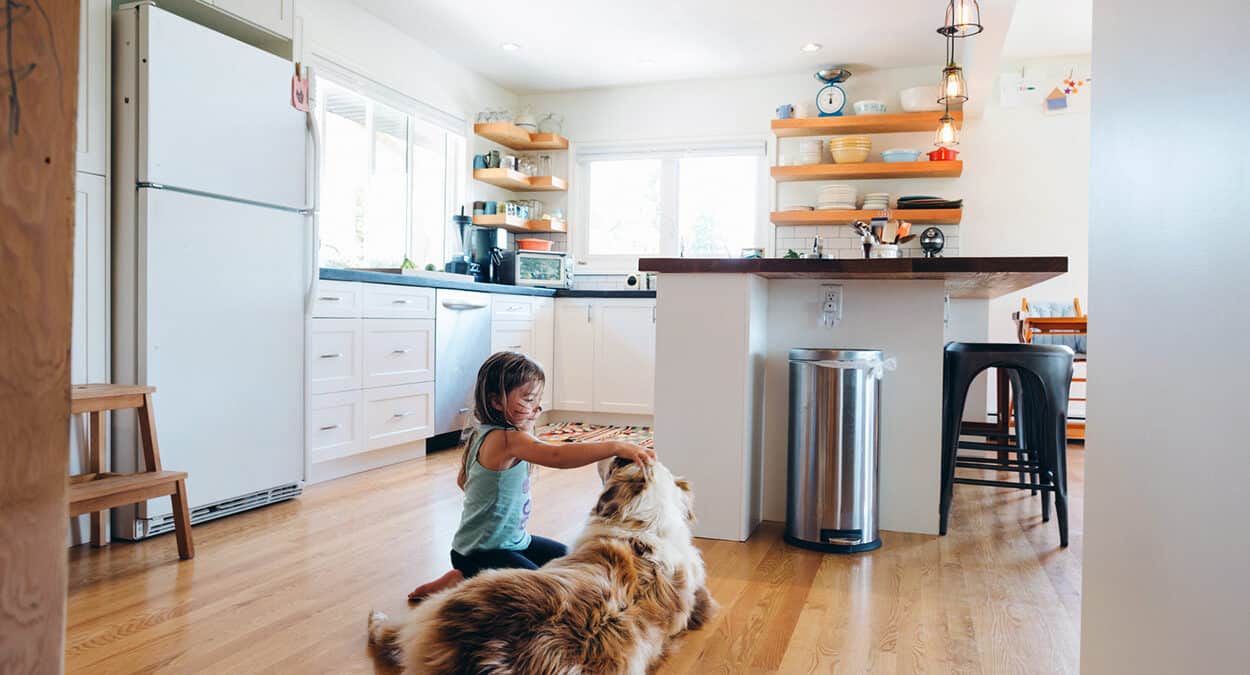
[(512, 308), (398, 302), (513, 336), (395, 415), (334, 355), (398, 351), (335, 424), (339, 299)]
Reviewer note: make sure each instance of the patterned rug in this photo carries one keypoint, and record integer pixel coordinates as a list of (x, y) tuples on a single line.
[(580, 432)]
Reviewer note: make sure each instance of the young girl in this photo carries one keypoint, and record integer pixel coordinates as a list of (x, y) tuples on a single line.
[(496, 468)]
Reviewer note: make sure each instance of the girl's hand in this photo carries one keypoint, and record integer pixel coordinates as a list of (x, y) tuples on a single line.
[(636, 453)]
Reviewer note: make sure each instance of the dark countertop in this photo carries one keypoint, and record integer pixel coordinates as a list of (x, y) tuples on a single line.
[(335, 274), (964, 277), (574, 293), (374, 277)]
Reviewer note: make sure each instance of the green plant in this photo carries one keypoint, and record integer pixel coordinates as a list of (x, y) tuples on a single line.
[(407, 264), (429, 267), (791, 253)]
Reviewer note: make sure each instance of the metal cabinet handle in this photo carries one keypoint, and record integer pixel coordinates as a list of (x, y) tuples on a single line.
[(329, 427), (402, 414), (331, 356), (401, 301), (464, 410), (330, 298), (587, 313), (462, 305), (513, 347), (653, 314), (400, 351)]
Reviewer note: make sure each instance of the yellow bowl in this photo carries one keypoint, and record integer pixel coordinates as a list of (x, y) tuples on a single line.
[(850, 156)]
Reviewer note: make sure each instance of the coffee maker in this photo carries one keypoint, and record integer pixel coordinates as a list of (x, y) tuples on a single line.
[(486, 248)]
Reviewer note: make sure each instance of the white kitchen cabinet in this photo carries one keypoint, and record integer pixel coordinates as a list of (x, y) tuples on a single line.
[(513, 336), (398, 351), (624, 371), (544, 348), (399, 414), (605, 355), (335, 425), (272, 15), (526, 325), (335, 356), (575, 354), (338, 299), (93, 94)]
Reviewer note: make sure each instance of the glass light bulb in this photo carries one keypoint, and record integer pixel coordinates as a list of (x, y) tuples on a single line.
[(953, 87), (947, 134), (963, 19)]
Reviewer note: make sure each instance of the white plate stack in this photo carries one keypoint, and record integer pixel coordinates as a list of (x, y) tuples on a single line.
[(839, 196), (809, 151), (876, 201)]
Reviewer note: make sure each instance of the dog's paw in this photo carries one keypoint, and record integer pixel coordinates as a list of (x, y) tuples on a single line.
[(376, 620)]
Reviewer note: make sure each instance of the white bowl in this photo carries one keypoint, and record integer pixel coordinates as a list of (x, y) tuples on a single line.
[(920, 99), (869, 107)]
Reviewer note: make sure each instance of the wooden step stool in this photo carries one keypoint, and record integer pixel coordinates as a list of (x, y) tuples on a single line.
[(97, 490)]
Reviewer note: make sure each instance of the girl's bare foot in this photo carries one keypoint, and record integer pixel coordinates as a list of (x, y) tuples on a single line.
[(446, 581)]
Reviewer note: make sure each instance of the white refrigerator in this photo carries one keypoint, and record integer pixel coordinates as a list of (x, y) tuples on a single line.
[(212, 258)]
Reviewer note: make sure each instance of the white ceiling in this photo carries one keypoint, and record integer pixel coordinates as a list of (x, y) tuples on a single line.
[(1041, 28), (578, 44)]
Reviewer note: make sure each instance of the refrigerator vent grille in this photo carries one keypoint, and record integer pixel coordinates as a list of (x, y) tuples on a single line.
[(227, 507)]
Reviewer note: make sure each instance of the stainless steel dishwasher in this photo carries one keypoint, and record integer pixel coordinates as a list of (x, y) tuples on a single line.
[(462, 339)]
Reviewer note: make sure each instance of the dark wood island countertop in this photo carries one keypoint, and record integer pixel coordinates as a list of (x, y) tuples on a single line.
[(964, 277)]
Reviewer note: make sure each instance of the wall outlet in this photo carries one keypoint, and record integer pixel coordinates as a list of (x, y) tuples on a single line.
[(831, 300)]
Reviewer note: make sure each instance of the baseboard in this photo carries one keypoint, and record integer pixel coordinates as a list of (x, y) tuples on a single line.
[(365, 461)]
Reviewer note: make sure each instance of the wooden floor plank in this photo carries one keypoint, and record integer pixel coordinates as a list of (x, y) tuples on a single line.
[(287, 588)]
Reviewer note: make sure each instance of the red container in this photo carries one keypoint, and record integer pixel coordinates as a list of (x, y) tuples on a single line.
[(943, 154)]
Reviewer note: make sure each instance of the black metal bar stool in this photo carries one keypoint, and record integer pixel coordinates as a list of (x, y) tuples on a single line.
[(1041, 376)]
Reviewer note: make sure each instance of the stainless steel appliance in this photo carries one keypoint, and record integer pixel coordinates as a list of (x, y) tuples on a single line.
[(549, 269), (835, 443), (462, 343)]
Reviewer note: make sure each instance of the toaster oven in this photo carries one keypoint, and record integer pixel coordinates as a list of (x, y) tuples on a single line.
[(549, 269)]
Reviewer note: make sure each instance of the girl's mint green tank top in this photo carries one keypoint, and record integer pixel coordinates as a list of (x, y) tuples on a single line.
[(496, 503)]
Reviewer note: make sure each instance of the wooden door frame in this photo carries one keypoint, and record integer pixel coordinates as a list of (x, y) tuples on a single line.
[(38, 129)]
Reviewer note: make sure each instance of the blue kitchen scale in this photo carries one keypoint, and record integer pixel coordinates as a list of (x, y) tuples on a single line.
[(831, 98)]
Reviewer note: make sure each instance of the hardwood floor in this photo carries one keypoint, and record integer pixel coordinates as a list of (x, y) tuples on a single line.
[(286, 589)]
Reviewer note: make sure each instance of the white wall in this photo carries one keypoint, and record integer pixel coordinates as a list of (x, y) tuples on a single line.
[(1167, 544), (1025, 180)]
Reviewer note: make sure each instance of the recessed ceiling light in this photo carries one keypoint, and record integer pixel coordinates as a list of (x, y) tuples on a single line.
[(509, 46), (811, 47)]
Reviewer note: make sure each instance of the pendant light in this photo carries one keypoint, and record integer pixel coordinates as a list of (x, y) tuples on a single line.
[(953, 89), (963, 19), (947, 132)]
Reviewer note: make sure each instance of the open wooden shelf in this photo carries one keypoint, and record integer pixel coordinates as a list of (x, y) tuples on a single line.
[(510, 135), (516, 224), (868, 170), (838, 217), (519, 182), (860, 124)]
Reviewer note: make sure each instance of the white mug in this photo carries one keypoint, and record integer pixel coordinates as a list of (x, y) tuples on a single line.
[(802, 109)]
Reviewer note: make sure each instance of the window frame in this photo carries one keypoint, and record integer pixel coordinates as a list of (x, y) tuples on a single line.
[(454, 141), (670, 153)]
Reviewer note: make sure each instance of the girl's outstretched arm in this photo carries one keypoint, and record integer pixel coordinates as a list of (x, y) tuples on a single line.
[(525, 447)]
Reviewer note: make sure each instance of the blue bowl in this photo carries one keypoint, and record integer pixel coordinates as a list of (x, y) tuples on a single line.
[(900, 155)]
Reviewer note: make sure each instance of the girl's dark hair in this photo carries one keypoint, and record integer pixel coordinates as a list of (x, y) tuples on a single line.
[(500, 374)]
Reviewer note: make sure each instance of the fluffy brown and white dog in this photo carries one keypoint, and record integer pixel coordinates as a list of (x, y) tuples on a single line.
[(632, 582)]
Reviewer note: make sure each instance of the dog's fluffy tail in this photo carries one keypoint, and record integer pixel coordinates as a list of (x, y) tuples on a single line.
[(384, 636)]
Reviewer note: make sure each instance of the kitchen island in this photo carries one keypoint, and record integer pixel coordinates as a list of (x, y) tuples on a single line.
[(724, 329)]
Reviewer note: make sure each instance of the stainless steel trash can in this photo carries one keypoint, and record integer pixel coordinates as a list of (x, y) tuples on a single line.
[(834, 448)]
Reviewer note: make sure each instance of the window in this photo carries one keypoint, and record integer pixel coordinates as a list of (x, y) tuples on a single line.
[(681, 202), (388, 181)]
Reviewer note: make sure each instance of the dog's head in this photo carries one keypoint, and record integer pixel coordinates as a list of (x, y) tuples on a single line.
[(643, 496)]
